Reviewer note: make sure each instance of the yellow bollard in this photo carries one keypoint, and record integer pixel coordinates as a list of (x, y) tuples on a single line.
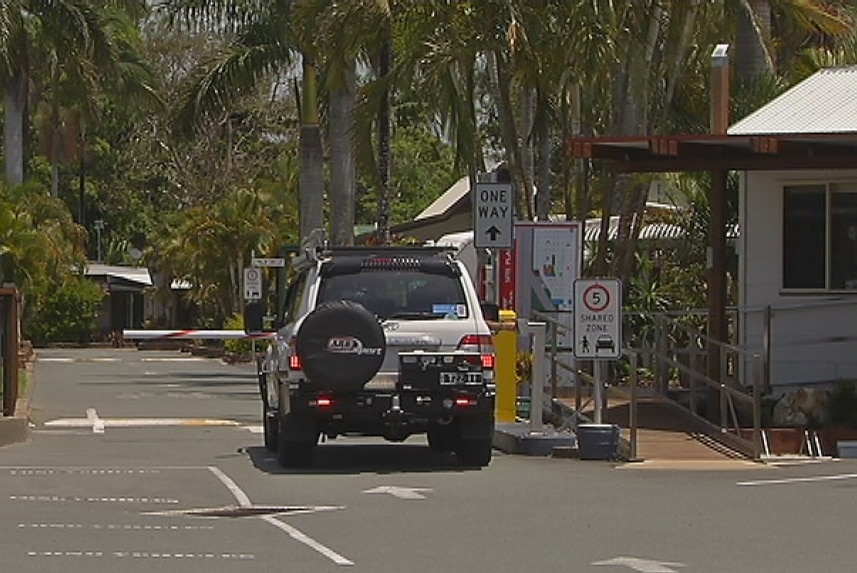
[(506, 350)]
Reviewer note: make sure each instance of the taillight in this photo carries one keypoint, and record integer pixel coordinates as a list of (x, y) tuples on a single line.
[(462, 401), (481, 343), (323, 401), (294, 359)]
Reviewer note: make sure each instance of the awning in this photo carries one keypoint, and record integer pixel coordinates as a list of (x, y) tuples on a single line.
[(131, 276)]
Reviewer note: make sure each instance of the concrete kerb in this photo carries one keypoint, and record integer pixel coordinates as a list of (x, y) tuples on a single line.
[(16, 428)]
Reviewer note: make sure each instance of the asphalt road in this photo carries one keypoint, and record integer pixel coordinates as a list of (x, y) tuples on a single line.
[(153, 461)]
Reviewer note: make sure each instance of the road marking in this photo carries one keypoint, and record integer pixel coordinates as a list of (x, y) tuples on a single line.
[(401, 492), (242, 498), (55, 359), (35, 472), (255, 429), (798, 480), (642, 565), (244, 501), (142, 555), (140, 422), (298, 535), (182, 359), (115, 527), (97, 423), (68, 499)]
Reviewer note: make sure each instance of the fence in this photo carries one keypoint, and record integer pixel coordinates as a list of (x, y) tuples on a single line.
[(674, 353)]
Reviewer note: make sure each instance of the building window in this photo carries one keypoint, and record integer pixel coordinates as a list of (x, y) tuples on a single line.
[(820, 237)]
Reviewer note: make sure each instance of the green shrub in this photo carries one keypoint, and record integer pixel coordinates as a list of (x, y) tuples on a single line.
[(241, 346), (843, 404), (67, 314)]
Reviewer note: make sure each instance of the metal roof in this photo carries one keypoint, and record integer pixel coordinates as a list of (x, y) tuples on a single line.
[(825, 102), (458, 191), (137, 275), (813, 126)]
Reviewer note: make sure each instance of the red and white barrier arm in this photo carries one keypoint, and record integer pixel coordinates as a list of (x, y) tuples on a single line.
[(192, 334)]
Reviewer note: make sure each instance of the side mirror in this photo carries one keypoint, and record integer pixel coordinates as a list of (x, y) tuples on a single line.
[(490, 311), (254, 314)]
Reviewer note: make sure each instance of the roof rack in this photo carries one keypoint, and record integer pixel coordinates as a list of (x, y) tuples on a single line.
[(315, 247), (404, 250)]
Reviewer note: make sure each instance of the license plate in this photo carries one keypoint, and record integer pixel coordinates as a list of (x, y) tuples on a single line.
[(460, 378)]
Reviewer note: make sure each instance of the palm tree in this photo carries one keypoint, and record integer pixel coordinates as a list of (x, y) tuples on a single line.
[(65, 48), (267, 38)]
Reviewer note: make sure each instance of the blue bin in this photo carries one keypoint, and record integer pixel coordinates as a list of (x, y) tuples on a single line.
[(597, 441)]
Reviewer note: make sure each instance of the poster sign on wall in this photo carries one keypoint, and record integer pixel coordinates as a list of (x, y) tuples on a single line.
[(548, 258)]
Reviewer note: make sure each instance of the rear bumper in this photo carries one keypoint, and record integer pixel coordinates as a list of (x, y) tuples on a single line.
[(396, 415)]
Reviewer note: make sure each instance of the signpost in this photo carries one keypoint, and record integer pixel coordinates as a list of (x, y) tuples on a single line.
[(252, 283), (493, 210), (277, 262), (598, 326), (597, 319)]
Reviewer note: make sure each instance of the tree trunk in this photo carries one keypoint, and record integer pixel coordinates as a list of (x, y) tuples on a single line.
[(543, 171), (526, 138), (752, 58), (342, 167), (384, 135), (500, 79), (14, 104), (635, 121), (311, 180)]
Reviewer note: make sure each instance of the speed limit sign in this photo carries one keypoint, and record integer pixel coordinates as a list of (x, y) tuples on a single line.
[(597, 318)]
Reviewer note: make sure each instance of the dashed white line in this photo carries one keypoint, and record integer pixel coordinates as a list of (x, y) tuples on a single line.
[(115, 527), (66, 499), (143, 555), (36, 472)]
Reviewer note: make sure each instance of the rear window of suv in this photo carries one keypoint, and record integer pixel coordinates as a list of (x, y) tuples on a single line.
[(403, 294)]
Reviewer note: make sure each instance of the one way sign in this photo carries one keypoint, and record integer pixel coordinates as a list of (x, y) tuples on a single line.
[(492, 215)]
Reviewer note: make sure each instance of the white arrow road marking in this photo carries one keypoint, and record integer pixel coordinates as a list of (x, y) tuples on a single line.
[(97, 423), (244, 501), (401, 492), (642, 565)]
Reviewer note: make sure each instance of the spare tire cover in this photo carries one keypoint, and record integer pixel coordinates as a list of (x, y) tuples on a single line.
[(341, 346)]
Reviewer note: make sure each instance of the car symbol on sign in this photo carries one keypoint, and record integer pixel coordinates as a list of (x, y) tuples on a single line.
[(605, 342)]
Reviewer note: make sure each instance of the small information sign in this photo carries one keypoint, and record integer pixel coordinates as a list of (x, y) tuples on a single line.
[(598, 319)]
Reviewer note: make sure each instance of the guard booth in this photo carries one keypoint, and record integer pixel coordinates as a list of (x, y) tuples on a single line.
[(9, 348)]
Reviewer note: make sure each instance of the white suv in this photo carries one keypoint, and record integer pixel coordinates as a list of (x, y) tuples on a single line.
[(383, 341)]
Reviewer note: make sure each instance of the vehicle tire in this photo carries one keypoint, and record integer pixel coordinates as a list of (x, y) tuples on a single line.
[(341, 346), (442, 438), (474, 453), (272, 429)]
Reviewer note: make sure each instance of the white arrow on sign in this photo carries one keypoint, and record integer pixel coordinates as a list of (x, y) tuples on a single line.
[(642, 565), (400, 492)]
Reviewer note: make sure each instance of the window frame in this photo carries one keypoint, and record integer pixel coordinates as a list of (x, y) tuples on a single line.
[(832, 222)]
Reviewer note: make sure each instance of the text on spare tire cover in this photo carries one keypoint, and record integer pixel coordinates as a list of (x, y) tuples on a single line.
[(350, 345)]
